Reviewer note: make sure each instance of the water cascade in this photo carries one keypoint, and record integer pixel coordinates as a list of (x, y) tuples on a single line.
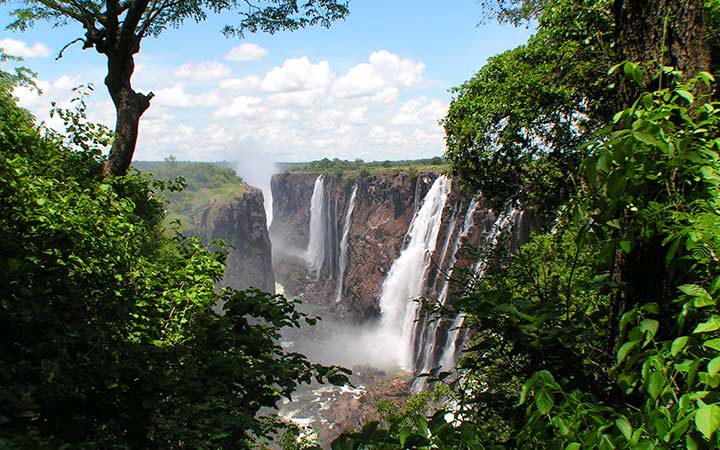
[(344, 244), (315, 254), (405, 280), (427, 352), (508, 221)]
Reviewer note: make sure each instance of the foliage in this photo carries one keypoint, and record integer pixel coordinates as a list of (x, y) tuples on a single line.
[(191, 186), (107, 338), (360, 167), (661, 172), (514, 129), (541, 371)]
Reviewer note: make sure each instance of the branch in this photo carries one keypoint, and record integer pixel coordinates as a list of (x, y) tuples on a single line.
[(134, 14), (66, 46)]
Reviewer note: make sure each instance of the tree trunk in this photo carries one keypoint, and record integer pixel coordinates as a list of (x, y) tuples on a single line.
[(655, 34), (659, 33), (129, 106)]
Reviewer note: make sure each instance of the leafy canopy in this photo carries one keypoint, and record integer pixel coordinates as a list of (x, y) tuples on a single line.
[(107, 336)]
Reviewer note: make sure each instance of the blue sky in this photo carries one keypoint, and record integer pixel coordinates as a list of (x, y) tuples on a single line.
[(373, 86)]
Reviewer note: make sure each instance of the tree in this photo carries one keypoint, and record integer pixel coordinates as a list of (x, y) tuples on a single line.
[(116, 28), (107, 334), (513, 130), (660, 33)]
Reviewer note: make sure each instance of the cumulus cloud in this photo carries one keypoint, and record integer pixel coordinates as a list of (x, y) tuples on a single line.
[(246, 52), (243, 106), (297, 75), (21, 48), (301, 99), (203, 71), (418, 111), (245, 84), (38, 102), (382, 76), (177, 97)]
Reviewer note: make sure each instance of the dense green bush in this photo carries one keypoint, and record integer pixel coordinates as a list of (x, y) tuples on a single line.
[(107, 337)]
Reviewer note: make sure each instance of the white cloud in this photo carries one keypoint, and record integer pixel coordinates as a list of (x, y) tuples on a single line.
[(302, 99), (383, 76), (420, 110), (246, 52), (203, 71), (297, 75), (249, 83), (176, 97), (20, 48), (245, 107)]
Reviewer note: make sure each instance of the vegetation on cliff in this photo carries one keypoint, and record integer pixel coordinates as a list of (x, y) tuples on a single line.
[(189, 186), (359, 167)]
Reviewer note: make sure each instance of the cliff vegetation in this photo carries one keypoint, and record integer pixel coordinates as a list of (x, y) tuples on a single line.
[(189, 186)]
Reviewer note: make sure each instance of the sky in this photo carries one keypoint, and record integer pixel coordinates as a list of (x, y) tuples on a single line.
[(373, 86)]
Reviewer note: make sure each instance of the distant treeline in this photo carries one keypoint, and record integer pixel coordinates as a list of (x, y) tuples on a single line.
[(189, 185), (337, 165)]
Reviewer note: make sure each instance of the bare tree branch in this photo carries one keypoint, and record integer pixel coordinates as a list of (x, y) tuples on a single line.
[(66, 46)]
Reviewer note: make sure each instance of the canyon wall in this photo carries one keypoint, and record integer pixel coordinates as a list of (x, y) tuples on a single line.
[(383, 208), (241, 223), (368, 248)]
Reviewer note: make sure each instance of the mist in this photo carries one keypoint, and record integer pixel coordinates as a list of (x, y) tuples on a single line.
[(348, 345), (257, 171)]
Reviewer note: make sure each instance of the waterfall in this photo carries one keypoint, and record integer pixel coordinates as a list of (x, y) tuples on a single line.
[(315, 254), (427, 357), (405, 280), (344, 244), (453, 343)]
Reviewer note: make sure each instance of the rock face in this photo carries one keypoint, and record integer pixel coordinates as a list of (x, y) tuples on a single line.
[(384, 207), (241, 223), (364, 225)]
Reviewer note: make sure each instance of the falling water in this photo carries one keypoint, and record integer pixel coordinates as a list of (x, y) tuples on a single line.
[(455, 336), (404, 282), (315, 253), (430, 339), (344, 244)]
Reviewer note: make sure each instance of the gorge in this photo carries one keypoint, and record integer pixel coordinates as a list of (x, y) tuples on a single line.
[(376, 256), (376, 253)]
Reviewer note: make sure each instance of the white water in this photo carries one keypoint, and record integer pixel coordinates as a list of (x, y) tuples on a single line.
[(468, 222), (404, 282), (344, 244), (315, 253), (450, 355)]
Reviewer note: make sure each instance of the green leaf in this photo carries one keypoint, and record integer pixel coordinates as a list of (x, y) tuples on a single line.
[(625, 349), (713, 366), (686, 95), (625, 428), (707, 420), (649, 327), (711, 324), (701, 297), (626, 246), (645, 137), (706, 77), (573, 446), (403, 435), (655, 384), (678, 345), (544, 401), (713, 344)]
